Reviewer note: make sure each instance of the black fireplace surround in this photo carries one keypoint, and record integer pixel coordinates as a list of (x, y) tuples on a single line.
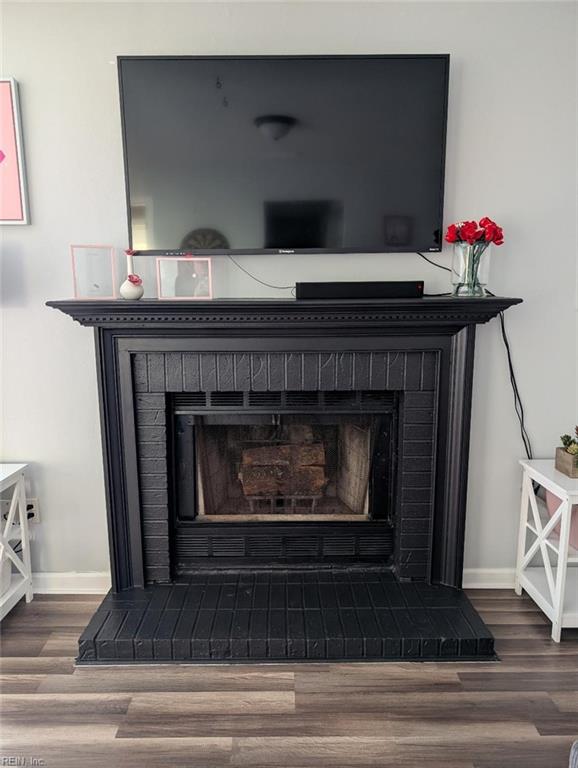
[(408, 360)]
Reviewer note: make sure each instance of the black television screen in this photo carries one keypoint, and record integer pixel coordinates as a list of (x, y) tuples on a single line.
[(284, 154)]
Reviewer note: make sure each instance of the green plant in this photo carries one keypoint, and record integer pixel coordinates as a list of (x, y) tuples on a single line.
[(571, 443)]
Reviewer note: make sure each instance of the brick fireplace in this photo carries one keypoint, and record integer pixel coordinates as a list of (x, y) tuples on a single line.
[(243, 436), (295, 386)]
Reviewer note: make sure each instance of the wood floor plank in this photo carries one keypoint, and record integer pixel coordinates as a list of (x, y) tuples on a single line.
[(513, 617), (520, 631), (535, 646), (131, 753), (550, 680), (330, 728), (39, 735), (535, 752), (49, 665), (361, 751), (21, 644), (512, 604), (42, 616), (466, 706), (566, 701), (151, 705), (61, 644), (561, 724), (20, 683), (60, 707), (530, 662), (133, 679), (493, 594), (546, 752), (387, 678)]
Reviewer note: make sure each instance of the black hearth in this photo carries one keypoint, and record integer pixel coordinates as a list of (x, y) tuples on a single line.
[(254, 446)]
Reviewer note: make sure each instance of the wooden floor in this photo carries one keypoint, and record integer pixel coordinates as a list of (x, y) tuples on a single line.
[(521, 712)]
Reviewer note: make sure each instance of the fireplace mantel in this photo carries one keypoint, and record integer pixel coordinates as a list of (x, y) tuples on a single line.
[(240, 315), (149, 349)]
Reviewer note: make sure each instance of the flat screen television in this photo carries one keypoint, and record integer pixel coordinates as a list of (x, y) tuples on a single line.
[(284, 154)]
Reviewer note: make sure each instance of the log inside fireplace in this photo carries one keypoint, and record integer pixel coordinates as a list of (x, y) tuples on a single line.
[(284, 467), (283, 470)]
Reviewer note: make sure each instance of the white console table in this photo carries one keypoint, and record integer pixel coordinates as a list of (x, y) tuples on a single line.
[(11, 530), (552, 584)]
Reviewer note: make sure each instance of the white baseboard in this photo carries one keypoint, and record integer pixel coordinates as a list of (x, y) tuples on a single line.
[(489, 578), (98, 582), (71, 583)]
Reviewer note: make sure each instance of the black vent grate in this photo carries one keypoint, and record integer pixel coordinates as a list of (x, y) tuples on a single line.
[(285, 401), (226, 399), (272, 546), (264, 546), (340, 399), (302, 546), (192, 547), (374, 545), (378, 398), (228, 546), (262, 399), (186, 400), (339, 545), (303, 399)]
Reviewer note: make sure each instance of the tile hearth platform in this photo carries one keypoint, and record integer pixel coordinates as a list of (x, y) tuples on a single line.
[(285, 615)]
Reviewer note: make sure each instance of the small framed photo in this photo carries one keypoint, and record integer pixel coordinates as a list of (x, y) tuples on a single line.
[(184, 277), (13, 198), (93, 271)]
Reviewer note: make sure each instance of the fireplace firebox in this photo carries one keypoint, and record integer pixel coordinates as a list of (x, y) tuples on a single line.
[(285, 479), (252, 485)]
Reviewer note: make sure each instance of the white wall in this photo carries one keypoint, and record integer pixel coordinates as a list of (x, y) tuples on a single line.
[(511, 155)]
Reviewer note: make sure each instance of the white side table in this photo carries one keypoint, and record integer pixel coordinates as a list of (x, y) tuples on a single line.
[(12, 476), (552, 585)]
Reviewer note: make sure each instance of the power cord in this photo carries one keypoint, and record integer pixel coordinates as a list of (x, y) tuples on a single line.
[(292, 287), (518, 405), (435, 264), (258, 280), (439, 266)]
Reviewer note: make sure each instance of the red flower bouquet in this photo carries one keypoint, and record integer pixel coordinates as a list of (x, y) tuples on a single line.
[(471, 239), (485, 232)]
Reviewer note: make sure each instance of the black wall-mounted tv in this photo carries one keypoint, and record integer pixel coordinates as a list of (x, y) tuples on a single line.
[(284, 154)]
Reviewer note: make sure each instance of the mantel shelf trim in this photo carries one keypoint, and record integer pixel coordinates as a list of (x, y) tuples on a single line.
[(437, 311)]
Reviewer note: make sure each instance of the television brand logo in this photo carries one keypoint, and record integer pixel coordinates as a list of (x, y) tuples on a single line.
[(286, 250)]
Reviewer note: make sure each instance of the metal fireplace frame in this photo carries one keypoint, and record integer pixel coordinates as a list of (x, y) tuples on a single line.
[(279, 542)]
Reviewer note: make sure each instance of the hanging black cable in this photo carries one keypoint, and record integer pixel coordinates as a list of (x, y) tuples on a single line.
[(262, 282), (435, 264), (518, 405)]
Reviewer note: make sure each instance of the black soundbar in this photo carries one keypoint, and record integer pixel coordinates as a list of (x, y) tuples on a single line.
[(387, 289)]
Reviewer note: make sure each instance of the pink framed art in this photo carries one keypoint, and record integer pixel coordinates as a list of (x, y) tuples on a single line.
[(184, 277), (93, 271), (13, 199)]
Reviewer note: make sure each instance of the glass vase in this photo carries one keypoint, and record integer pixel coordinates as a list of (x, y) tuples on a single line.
[(470, 269)]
